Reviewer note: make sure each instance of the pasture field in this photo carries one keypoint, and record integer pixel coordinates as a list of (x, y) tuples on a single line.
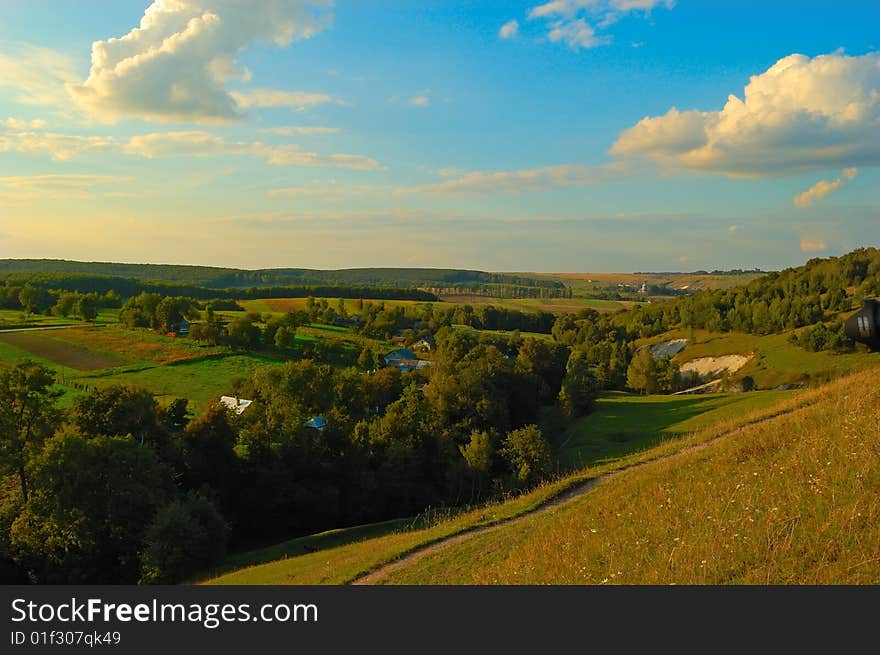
[(677, 281), (199, 381), (284, 305), (792, 500), (15, 318), (533, 305), (552, 305), (777, 361), (101, 356), (623, 423), (137, 344), (343, 564)]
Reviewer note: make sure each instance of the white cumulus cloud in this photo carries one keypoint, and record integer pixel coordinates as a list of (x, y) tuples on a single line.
[(802, 113), (175, 65)]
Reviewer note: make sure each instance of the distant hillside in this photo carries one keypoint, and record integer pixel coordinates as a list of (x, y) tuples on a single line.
[(222, 278)]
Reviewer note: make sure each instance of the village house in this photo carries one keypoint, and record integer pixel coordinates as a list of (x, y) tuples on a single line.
[(425, 345), (237, 405), (405, 360)]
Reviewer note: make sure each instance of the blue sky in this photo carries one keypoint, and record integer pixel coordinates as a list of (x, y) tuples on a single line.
[(569, 135)]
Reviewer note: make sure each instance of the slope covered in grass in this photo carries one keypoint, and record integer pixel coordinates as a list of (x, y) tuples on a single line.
[(345, 563), (792, 500), (623, 422)]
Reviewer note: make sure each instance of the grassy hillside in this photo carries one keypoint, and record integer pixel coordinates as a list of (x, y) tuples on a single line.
[(586, 282), (342, 564), (776, 360), (623, 423), (793, 500)]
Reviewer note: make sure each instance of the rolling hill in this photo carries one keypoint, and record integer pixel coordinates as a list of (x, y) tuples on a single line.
[(787, 494)]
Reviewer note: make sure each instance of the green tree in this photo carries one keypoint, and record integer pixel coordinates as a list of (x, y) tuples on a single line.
[(243, 333), (91, 503), (34, 299), (579, 386), (366, 359), (119, 411), (65, 305), (185, 537), (27, 416), (642, 374), (478, 456), (528, 455), (285, 337), (86, 307)]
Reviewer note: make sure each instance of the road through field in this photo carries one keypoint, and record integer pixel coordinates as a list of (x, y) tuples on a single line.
[(46, 327), (378, 574)]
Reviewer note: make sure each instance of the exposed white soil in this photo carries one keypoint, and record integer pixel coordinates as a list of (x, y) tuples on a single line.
[(709, 366)]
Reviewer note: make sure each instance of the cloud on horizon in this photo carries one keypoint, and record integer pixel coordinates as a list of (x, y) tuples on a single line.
[(523, 181), (198, 143)]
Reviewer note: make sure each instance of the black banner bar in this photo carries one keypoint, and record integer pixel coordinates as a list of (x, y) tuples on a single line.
[(248, 620)]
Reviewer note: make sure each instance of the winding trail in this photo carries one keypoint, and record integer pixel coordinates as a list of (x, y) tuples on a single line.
[(376, 575)]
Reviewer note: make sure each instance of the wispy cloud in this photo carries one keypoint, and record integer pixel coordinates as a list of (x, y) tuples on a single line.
[(581, 24), (813, 245), (55, 187), (823, 188), (197, 143), (296, 100), (521, 181), (420, 100), (25, 138), (37, 76), (510, 30), (299, 130)]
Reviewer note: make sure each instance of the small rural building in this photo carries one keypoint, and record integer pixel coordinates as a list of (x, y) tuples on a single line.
[(425, 345), (399, 355), (405, 360), (318, 423), (237, 405)]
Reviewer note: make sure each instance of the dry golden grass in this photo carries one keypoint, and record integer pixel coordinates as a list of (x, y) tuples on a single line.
[(792, 500)]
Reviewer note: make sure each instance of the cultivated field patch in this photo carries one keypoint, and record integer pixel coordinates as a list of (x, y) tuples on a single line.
[(137, 344), (61, 352)]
